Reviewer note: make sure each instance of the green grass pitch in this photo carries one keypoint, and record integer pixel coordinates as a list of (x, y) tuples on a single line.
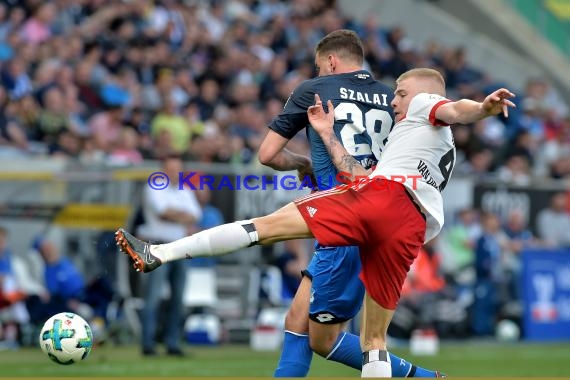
[(461, 359)]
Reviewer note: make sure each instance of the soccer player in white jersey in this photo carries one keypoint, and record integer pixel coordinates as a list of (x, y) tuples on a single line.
[(389, 215)]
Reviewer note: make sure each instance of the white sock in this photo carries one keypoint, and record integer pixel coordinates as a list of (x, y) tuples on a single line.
[(376, 363), (212, 242)]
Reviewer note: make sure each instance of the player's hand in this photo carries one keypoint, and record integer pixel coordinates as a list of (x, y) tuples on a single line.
[(321, 121), (498, 102), (305, 175)]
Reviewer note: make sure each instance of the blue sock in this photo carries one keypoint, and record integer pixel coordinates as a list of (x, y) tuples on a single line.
[(296, 356), (347, 351), (400, 367), (422, 372), (403, 368)]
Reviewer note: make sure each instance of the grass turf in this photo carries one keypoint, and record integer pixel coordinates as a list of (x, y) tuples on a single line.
[(467, 359)]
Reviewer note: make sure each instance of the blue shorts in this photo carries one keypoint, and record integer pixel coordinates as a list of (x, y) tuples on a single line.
[(336, 291)]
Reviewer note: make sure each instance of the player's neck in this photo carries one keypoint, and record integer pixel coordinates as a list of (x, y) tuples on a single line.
[(347, 69)]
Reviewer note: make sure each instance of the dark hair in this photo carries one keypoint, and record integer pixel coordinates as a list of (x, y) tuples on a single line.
[(343, 42)]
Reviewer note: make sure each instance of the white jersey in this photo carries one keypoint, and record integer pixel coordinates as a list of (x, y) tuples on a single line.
[(420, 153)]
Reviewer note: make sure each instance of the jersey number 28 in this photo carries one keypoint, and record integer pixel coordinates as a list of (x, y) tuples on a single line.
[(376, 122)]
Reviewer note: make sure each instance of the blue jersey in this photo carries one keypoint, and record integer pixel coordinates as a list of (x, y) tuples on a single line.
[(363, 119)]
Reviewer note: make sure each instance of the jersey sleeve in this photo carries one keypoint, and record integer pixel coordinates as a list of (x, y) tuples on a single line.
[(294, 118), (423, 107)]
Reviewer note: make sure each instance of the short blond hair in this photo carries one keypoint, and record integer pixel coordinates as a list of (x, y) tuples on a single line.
[(423, 72)]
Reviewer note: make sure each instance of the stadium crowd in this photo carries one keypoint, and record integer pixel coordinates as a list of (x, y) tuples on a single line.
[(106, 82), (116, 82)]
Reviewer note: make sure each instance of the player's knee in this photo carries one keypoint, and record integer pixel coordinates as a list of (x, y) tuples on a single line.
[(322, 344), (296, 321)]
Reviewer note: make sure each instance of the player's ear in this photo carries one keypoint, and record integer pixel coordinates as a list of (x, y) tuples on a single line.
[(332, 62)]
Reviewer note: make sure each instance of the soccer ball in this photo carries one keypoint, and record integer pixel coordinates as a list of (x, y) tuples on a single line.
[(507, 331), (66, 338)]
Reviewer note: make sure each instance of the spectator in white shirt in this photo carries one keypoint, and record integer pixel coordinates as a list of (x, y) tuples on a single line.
[(553, 223), (169, 214)]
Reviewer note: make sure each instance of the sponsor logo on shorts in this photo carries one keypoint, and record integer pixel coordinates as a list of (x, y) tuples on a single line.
[(312, 211), (324, 317)]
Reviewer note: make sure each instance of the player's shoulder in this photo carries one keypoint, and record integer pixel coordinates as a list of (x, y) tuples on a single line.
[(423, 107), (325, 86), (314, 85), (425, 97), (424, 101)]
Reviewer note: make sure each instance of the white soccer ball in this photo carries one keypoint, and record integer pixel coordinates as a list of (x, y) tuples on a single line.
[(66, 338), (507, 331)]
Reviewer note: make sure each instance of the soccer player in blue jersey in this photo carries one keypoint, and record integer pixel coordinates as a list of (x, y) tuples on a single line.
[(331, 292)]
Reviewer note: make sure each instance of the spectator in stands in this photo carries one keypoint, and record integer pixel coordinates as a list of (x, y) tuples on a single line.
[(53, 119), (13, 313), (11, 133), (125, 151), (548, 101), (37, 29), (292, 260), (169, 214), (424, 276), (516, 170), (488, 251), (67, 146), (105, 126), (178, 128), (211, 215), (459, 242), (208, 98), (217, 56), (15, 78), (554, 154), (64, 283), (553, 223), (66, 289), (424, 295), (520, 237)]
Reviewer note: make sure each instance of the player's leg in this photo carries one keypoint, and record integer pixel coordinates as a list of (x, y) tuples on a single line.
[(336, 297), (284, 224), (296, 354), (376, 361), (346, 218), (374, 315)]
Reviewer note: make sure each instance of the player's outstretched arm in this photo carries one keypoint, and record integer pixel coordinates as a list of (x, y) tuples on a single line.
[(272, 153), (467, 111), (323, 123)]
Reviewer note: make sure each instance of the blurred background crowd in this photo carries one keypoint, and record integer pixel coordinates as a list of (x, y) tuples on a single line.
[(84, 80), (114, 83)]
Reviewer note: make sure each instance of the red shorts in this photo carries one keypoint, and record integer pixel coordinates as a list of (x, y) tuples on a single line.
[(381, 219)]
